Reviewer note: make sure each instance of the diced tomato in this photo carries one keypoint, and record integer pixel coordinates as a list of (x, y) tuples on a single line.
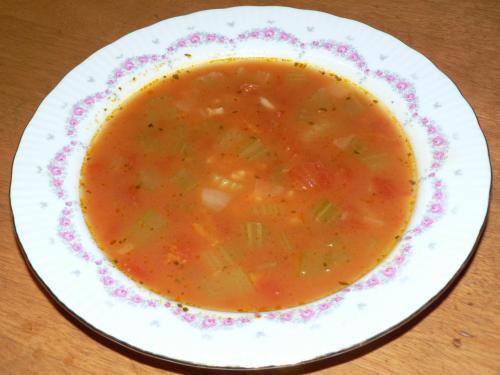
[(310, 175), (268, 287), (343, 175), (186, 244), (387, 188), (136, 269)]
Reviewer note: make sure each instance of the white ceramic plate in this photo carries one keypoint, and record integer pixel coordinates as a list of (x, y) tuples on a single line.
[(453, 189)]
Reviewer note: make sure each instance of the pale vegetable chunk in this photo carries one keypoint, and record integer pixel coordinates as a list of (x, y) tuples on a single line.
[(215, 111), (215, 200), (253, 150), (184, 180), (325, 211), (266, 103), (148, 227), (254, 233)]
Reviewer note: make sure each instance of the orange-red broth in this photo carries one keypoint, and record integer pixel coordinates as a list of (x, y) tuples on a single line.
[(248, 185)]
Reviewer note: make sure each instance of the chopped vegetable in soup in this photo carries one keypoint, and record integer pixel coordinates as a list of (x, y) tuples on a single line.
[(248, 185)]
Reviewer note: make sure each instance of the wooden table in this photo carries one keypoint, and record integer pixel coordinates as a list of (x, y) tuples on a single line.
[(42, 40)]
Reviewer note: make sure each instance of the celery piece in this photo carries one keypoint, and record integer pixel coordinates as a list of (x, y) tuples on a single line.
[(295, 77), (212, 78), (357, 147), (145, 228), (323, 259), (149, 141), (279, 175), (169, 113), (117, 163), (176, 142), (184, 180), (317, 130), (181, 149), (318, 101), (354, 145), (253, 150), (236, 282), (160, 109), (254, 233), (375, 162), (267, 209), (313, 262), (338, 254), (324, 211), (343, 143), (339, 90), (373, 220), (233, 251), (263, 77), (152, 220), (232, 282), (354, 106), (206, 234), (171, 139), (216, 260), (149, 180), (231, 138), (285, 241)]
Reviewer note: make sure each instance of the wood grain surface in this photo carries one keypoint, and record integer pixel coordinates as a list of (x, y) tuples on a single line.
[(42, 40)]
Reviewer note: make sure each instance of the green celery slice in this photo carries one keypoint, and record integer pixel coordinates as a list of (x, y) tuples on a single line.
[(324, 259), (217, 259), (325, 211), (233, 282), (149, 180), (231, 138), (253, 150), (319, 101), (296, 77), (354, 106), (313, 262), (285, 241), (375, 162), (184, 180), (317, 130), (269, 210), (254, 233), (145, 229)]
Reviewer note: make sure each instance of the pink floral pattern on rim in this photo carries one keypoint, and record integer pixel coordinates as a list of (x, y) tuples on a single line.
[(387, 271)]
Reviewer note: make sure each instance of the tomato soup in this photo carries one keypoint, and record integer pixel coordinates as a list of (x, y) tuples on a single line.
[(248, 185)]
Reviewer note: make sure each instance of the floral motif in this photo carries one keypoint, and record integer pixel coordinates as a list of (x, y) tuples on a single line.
[(109, 275)]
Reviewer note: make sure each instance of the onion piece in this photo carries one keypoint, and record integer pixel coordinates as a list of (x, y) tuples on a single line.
[(214, 199), (215, 111), (373, 220), (266, 103), (343, 142)]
